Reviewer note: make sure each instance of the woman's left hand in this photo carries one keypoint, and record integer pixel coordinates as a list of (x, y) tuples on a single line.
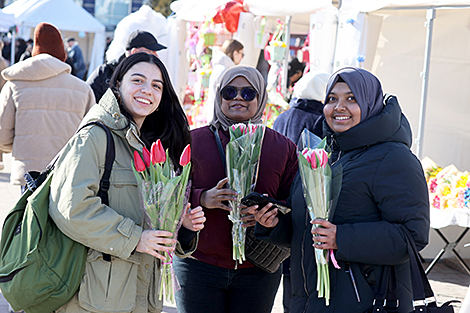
[(324, 237), (194, 219), (248, 219)]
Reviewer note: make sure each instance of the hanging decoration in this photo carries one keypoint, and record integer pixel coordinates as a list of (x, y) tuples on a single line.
[(260, 26), (229, 14), (277, 47)]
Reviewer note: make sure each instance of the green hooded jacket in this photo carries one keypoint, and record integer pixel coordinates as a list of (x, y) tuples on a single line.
[(130, 282)]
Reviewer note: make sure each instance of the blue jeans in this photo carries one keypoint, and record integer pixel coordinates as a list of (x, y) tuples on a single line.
[(212, 289)]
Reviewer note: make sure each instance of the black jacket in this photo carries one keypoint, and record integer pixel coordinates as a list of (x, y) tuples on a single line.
[(383, 186), (303, 113), (100, 78)]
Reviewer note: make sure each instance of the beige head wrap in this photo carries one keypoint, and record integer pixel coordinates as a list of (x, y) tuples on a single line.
[(255, 78)]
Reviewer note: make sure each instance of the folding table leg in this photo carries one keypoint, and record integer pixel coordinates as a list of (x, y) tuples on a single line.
[(451, 247)]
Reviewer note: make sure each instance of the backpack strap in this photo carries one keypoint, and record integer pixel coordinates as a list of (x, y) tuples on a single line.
[(108, 165)]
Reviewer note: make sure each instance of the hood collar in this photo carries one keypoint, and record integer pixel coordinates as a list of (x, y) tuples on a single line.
[(389, 126)]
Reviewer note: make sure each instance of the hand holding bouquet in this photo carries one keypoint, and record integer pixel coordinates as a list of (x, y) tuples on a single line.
[(165, 194), (316, 178), (242, 153)]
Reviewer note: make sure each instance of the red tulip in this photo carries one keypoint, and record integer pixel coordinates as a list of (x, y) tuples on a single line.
[(146, 155), (185, 156), (138, 162), (157, 153)]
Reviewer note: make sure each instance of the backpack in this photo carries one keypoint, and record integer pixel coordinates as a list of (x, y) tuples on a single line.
[(40, 267)]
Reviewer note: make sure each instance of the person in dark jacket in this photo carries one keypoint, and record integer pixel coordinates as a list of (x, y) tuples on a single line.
[(211, 281), (383, 189), (139, 41), (305, 107), (75, 54)]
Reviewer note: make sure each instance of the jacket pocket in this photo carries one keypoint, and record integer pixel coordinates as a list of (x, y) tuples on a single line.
[(109, 286)]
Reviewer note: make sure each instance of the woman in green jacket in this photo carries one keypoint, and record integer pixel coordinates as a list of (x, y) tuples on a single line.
[(140, 107)]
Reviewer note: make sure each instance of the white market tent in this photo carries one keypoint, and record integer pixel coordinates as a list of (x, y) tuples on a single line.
[(66, 15), (6, 21)]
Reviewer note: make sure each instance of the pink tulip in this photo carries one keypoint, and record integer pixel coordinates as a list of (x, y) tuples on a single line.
[(322, 157), (185, 156), (146, 154), (157, 153), (310, 157), (138, 162), (241, 126)]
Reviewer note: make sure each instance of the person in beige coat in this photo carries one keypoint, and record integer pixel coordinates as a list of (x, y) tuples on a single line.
[(41, 105), (139, 108), (3, 65)]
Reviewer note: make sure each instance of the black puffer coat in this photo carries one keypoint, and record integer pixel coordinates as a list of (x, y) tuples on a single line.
[(383, 186), (101, 76)]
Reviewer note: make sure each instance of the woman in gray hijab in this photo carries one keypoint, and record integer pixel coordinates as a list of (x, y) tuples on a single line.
[(211, 281), (383, 191)]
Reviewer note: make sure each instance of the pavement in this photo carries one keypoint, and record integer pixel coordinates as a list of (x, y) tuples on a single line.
[(448, 278)]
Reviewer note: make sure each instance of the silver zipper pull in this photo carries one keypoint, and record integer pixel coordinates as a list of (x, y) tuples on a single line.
[(349, 270)]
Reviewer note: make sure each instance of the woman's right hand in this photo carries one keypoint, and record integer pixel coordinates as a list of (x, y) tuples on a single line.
[(213, 198), (266, 217), (152, 241)]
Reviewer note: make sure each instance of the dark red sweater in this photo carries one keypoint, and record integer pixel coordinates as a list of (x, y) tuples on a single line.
[(277, 168)]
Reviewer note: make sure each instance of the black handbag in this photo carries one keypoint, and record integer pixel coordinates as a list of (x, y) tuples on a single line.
[(422, 290), (260, 253), (385, 300), (263, 254)]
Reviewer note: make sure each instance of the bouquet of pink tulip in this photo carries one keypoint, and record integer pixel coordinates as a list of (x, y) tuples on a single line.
[(316, 177), (242, 153), (165, 194)]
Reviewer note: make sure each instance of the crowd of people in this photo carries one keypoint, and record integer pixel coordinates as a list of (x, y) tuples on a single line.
[(382, 189)]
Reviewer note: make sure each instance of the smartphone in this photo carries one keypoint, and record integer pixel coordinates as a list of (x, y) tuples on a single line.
[(256, 198)]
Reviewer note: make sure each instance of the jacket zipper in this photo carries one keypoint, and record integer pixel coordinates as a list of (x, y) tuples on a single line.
[(348, 269)]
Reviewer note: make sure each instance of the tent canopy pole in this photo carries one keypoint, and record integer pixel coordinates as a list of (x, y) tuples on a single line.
[(286, 57), (430, 16), (13, 46)]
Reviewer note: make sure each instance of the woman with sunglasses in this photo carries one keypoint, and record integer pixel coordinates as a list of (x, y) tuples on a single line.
[(230, 54), (211, 281)]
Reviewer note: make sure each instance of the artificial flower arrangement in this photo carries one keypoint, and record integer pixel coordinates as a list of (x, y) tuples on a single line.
[(204, 74), (208, 33), (277, 48), (448, 187), (320, 188), (242, 156), (165, 194)]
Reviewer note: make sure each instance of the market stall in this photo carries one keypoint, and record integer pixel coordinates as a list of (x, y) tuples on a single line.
[(256, 24), (66, 15)]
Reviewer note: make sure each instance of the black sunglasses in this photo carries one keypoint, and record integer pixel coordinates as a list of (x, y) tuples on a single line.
[(231, 92)]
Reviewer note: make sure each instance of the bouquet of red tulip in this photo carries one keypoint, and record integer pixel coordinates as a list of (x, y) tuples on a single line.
[(165, 194), (319, 192), (242, 153)]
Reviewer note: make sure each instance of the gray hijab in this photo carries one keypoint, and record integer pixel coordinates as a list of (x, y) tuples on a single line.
[(365, 87), (256, 80)]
